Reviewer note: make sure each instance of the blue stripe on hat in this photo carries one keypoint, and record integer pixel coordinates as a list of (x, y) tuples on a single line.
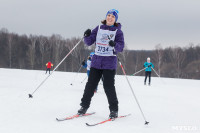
[(113, 12)]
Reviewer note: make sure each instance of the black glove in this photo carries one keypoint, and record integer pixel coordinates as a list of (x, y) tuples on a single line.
[(87, 33), (149, 65), (112, 43), (83, 63)]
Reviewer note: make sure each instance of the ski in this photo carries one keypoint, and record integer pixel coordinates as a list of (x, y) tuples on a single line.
[(102, 122), (74, 116)]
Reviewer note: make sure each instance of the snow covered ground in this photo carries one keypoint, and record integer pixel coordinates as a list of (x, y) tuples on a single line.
[(170, 105)]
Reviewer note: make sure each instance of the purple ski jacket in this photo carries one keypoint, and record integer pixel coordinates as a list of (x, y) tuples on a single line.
[(106, 62)]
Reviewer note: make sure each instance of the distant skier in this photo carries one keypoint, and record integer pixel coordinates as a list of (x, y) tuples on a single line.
[(48, 65), (88, 66), (148, 66), (109, 40), (88, 63)]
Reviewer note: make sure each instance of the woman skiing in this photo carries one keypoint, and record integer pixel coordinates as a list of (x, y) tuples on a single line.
[(109, 40), (148, 66)]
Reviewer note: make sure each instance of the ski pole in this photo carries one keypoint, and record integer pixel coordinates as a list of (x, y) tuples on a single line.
[(31, 95), (138, 71), (146, 122), (157, 74), (84, 79), (76, 74)]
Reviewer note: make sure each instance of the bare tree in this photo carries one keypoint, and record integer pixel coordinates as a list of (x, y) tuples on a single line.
[(31, 51), (158, 56), (136, 61), (4, 30), (78, 53), (42, 40), (10, 41), (139, 60), (177, 56), (56, 41)]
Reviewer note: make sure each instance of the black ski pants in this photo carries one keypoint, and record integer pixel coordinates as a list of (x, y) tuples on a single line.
[(108, 84), (147, 73), (48, 69)]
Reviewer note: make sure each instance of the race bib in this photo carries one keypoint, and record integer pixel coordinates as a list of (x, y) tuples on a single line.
[(102, 42)]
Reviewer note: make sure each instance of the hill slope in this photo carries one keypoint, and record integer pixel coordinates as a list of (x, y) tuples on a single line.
[(171, 105)]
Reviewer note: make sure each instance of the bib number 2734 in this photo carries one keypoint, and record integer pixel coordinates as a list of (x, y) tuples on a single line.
[(102, 49)]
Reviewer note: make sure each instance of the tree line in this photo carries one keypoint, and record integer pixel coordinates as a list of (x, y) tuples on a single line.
[(34, 51)]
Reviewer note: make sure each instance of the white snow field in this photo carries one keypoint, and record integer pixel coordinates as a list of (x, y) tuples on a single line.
[(170, 105)]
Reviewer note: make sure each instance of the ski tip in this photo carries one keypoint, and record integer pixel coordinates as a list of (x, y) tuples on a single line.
[(58, 119), (124, 115), (90, 125), (92, 112)]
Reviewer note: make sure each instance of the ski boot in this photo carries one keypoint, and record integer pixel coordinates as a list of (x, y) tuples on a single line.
[(113, 115), (82, 111)]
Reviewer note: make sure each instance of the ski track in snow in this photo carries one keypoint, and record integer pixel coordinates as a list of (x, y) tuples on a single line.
[(170, 105)]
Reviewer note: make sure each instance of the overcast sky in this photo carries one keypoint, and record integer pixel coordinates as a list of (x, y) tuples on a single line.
[(145, 23)]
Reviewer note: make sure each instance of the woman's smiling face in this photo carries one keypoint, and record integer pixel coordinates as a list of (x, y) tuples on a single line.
[(110, 20)]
